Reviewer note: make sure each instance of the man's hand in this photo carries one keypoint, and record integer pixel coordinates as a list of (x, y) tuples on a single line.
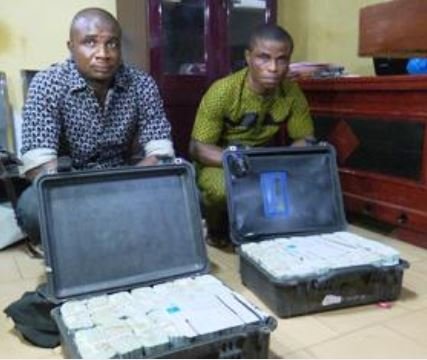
[(48, 167), (310, 140), (149, 160)]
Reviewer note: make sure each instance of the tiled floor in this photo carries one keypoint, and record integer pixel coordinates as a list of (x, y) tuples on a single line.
[(368, 331)]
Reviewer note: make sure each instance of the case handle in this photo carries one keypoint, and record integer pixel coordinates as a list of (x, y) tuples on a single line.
[(239, 164), (351, 270), (65, 164)]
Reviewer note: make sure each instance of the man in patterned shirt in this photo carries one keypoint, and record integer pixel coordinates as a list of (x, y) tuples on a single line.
[(91, 108), (246, 108)]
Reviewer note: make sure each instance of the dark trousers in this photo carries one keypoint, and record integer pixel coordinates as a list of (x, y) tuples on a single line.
[(27, 214)]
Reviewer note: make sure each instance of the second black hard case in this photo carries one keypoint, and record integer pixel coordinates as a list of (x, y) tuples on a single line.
[(306, 180)]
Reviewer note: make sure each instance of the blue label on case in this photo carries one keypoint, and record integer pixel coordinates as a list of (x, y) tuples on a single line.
[(274, 194)]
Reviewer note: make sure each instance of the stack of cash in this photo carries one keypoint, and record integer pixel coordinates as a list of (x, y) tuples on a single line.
[(152, 320), (314, 255)]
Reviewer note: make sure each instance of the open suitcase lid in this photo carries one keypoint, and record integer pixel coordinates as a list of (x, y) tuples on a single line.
[(104, 231), (286, 191)]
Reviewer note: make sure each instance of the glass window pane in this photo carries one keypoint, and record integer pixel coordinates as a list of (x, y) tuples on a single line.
[(183, 37), (245, 15)]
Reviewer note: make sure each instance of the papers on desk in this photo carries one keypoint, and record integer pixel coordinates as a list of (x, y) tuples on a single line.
[(152, 319), (303, 256), (303, 70)]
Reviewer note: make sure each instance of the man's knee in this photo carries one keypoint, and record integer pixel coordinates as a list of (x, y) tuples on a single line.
[(214, 197)]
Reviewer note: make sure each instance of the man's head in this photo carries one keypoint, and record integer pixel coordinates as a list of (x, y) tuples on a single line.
[(95, 44), (268, 56)]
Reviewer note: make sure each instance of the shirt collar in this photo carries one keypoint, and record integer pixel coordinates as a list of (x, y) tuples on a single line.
[(77, 82)]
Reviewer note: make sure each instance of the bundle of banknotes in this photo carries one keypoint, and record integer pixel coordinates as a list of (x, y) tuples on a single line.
[(151, 320), (314, 255)]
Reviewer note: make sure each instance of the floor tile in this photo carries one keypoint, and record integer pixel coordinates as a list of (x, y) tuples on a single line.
[(419, 267), (415, 282), (411, 300), (293, 332), (413, 325), (30, 267), (281, 348), (9, 270), (278, 346), (13, 290), (300, 354), (223, 257), (370, 343), (350, 319), (12, 249), (12, 346)]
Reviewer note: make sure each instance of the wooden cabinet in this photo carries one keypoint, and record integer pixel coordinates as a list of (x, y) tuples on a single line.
[(393, 29), (186, 45), (379, 128)]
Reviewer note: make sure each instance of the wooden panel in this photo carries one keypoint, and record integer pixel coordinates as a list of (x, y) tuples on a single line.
[(132, 15), (393, 29), (382, 102)]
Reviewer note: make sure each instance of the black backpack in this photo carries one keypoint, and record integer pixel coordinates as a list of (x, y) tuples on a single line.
[(31, 315)]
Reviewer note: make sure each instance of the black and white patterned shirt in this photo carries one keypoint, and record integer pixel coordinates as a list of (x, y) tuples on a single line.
[(62, 114)]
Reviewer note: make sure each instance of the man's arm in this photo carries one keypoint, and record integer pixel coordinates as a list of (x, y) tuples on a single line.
[(37, 161), (154, 128), (206, 154), (41, 126), (300, 125), (208, 127)]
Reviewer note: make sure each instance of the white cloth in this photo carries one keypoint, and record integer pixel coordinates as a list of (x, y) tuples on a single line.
[(159, 147), (36, 157)]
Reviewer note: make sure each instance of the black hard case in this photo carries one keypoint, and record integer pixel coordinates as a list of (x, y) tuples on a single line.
[(315, 206), (108, 231)]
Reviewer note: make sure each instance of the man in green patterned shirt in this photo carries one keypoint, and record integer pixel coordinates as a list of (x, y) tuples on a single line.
[(246, 108)]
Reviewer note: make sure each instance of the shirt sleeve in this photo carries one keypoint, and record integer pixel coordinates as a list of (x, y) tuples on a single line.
[(209, 122), (36, 157), (153, 124), (41, 115), (300, 123)]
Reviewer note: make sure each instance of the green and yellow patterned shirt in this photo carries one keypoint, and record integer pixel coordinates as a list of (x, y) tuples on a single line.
[(230, 113)]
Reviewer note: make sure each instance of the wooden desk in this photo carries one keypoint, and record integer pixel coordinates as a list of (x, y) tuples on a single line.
[(378, 126)]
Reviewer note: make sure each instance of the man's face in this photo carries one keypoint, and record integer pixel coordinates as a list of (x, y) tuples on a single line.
[(96, 49), (268, 63)]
